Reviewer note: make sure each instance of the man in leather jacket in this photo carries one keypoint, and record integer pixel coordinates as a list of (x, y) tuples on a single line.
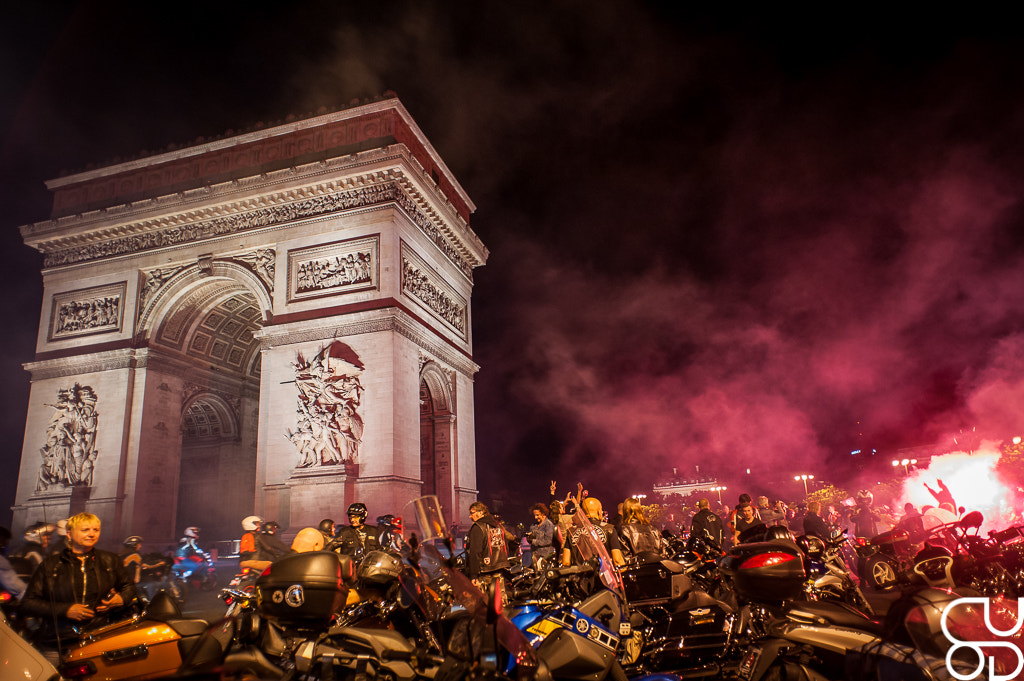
[(486, 551), (77, 585), (357, 538), (707, 520)]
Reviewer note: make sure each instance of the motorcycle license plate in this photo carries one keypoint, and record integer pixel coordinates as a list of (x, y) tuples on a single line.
[(749, 663)]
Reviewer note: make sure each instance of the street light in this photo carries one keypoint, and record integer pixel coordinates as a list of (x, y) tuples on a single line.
[(805, 478), (719, 490), (905, 463)]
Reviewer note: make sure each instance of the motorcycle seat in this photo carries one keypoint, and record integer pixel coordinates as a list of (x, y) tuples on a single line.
[(186, 628), (837, 614)]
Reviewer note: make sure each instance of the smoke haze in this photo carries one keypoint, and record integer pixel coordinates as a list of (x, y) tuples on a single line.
[(725, 243)]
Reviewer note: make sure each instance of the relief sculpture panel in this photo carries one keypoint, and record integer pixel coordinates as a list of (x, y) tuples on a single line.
[(340, 267), (70, 451), (87, 311), (427, 288), (329, 427)]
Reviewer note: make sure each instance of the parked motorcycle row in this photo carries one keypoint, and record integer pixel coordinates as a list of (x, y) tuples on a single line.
[(770, 608), (950, 555)]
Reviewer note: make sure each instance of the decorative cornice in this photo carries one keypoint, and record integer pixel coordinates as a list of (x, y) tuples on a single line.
[(396, 321), (268, 211), (81, 364)]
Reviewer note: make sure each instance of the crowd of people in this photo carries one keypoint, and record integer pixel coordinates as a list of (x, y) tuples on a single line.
[(71, 582)]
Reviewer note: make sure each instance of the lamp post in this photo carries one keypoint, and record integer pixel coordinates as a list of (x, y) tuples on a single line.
[(719, 490), (805, 478), (905, 463)]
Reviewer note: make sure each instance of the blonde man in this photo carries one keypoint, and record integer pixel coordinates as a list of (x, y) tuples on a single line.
[(77, 585)]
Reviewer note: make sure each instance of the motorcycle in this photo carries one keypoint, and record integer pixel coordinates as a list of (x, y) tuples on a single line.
[(432, 622), (160, 642), (829, 639), (955, 557), (194, 571), (156, 574), (828, 576), (20, 660)]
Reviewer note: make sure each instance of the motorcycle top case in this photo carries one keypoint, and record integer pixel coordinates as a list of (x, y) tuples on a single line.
[(655, 581), (305, 588), (765, 571)]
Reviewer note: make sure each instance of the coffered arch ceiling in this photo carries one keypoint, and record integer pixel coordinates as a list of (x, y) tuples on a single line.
[(214, 324)]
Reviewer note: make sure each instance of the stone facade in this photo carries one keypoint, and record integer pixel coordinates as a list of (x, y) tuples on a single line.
[(259, 322)]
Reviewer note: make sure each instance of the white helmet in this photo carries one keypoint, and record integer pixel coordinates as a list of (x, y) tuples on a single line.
[(192, 532), (251, 523)]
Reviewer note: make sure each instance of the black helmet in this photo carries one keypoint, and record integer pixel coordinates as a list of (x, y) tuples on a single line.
[(865, 497), (385, 521), (357, 509), (133, 541), (270, 527), (326, 526), (380, 567)]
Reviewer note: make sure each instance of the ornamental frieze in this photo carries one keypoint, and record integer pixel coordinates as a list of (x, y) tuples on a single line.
[(425, 286), (261, 218)]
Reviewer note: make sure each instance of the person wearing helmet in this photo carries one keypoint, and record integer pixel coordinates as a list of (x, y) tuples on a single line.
[(326, 528), (271, 546), (188, 544), (864, 518), (248, 544), (37, 539), (487, 551), (609, 537), (356, 538), (131, 557)]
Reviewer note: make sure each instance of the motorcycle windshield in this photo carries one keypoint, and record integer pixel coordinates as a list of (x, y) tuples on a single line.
[(426, 523), (590, 545)]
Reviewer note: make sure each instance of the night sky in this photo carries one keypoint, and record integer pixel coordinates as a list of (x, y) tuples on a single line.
[(726, 241)]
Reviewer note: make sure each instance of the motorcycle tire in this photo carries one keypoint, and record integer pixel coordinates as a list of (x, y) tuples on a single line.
[(209, 582), (879, 573)]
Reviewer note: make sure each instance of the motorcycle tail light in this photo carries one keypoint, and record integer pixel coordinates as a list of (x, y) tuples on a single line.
[(5, 597), (765, 560), (78, 670)]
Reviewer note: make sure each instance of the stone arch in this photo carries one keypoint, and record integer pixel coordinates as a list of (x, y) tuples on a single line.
[(437, 435), (198, 325), (207, 416), (156, 307)]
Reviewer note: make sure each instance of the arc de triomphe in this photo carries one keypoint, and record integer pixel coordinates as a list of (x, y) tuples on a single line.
[(274, 322)]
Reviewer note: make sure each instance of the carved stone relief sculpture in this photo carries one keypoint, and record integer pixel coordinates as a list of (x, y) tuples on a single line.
[(329, 428), (341, 267), (87, 311), (262, 261), (418, 282), (69, 454)]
